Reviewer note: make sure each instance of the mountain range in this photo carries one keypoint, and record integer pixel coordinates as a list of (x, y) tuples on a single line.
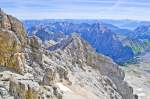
[(122, 45), (68, 68)]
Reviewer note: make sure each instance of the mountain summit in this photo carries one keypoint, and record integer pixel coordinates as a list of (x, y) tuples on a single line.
[(67, 69)]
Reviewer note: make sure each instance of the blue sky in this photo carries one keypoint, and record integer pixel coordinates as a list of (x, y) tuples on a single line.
[(78, 9)]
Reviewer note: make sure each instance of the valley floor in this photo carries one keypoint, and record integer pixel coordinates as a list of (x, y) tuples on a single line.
[(138, 76)]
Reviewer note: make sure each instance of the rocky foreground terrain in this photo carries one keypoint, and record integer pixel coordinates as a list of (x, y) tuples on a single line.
[(68, 69), (138, 76)]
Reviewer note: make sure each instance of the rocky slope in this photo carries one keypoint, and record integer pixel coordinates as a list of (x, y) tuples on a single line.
[(68, 69), (139, 72)]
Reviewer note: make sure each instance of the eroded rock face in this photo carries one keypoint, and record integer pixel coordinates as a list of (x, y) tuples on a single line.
[(8, 22), (13, 40), (36, 45), (49, 76), (24, 89)]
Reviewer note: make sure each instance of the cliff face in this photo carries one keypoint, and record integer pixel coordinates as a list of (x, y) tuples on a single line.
[(13, 40), (68, 69)]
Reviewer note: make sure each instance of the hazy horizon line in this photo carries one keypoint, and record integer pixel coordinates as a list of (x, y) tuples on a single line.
[(82, 19)]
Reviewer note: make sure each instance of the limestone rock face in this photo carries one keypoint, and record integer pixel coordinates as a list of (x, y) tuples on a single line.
[(21, 89), (8, 22), (13, 39)]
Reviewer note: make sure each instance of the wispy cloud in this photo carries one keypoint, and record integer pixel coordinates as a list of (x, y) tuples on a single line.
[(114, 9)]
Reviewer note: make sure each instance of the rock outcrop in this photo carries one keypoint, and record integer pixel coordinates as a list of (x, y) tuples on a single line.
[(13, 40), (68, 69)]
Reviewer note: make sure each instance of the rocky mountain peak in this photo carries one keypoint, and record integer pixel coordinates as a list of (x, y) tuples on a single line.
[(10, 23), (69, 69), (101, 27), (85, 57)]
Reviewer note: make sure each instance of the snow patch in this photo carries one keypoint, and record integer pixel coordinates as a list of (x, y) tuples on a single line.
[(141, 94), (63, 87)]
